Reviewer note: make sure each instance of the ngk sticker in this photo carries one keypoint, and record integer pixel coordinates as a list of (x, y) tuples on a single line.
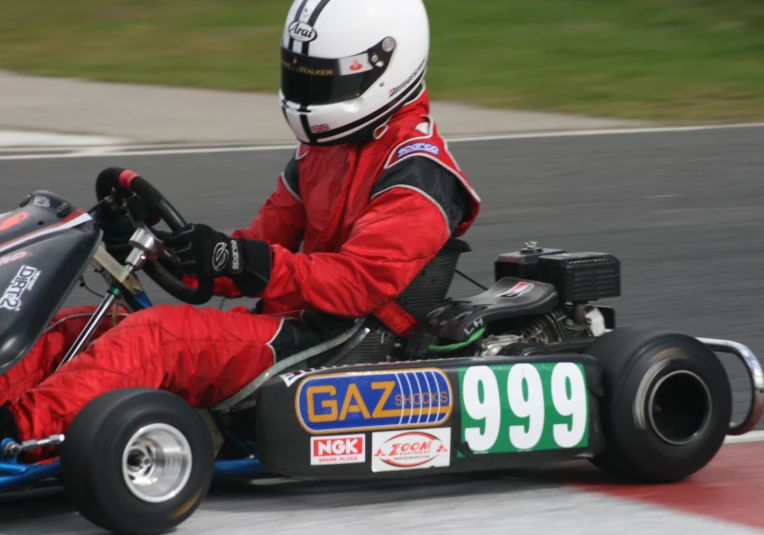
[(338, 449), (410, 450)]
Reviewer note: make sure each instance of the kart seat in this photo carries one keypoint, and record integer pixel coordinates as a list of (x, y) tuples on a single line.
[(430, 287), (427, 291)]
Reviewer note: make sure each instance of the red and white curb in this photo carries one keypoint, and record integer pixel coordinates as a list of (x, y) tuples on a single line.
[(728, 490)]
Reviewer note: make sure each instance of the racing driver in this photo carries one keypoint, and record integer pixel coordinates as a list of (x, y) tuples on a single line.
[(368, 199)]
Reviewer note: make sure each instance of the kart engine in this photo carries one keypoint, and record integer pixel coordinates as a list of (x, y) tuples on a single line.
[(578, 277), (556, 326)]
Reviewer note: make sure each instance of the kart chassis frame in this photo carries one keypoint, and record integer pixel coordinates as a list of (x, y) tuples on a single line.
[(125, 286)]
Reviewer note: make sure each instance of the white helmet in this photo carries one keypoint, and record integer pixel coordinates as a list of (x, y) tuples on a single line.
[(348, 65)]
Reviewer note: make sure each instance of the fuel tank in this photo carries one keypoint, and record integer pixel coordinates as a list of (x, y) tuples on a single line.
[(45, 246)]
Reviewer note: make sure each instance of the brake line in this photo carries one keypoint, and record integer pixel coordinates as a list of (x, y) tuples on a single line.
[(459, 345)]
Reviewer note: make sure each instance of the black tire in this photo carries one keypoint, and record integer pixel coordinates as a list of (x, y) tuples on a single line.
[(691, 392), (92, 461)]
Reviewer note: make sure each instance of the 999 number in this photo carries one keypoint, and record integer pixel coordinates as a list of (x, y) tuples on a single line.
[(524, 407)]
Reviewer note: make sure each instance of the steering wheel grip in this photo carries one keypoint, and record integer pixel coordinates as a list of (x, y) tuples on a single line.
[(124, 182)]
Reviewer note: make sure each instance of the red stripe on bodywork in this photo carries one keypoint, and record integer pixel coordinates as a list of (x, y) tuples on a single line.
[(13, 219), (74, 215), (126, 177)]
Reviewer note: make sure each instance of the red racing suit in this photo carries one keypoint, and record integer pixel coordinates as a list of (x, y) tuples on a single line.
[(369, 216)]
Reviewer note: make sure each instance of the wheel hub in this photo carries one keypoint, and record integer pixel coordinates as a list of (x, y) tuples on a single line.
[(156, 463), (679, 407)]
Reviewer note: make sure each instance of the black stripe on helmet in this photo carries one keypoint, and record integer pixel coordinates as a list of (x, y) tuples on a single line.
[(297, 19), (306, 127), (312, 22)]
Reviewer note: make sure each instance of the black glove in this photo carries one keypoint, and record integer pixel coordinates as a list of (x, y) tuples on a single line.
[(116, 226), (205, 252), (116, 237)]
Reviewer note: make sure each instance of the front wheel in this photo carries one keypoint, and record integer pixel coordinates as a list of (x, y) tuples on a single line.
[(137, 461), (667, 404)]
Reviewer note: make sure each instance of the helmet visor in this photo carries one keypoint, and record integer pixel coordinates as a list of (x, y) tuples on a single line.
[(310, 81)]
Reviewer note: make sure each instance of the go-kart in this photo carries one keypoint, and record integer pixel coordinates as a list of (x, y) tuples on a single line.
[(529, 370)]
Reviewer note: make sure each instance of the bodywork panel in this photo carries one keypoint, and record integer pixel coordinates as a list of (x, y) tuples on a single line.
[(44, 249), (352, 422)]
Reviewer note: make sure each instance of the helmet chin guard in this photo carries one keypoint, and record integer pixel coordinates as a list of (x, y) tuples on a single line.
[(348, 65)]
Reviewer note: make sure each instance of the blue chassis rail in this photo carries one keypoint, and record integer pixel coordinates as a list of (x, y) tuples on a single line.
[(14, 474)]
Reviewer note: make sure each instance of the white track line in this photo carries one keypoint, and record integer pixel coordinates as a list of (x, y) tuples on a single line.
[(751, 436), (605, 132), (100, 152)]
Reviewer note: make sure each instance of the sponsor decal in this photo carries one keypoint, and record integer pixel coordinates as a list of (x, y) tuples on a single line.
[(24, 281), (398, 399), (220, 256), (42, 201), (317, 129), (410, 450), (508, 408), (302, 32), (292, 377), (355, 64), (474, 326), (13, 257), (394, 91), (419, 147), (13, 220), (302, 151), (339, 449), (521, 288), (235, 257), (295, 66)]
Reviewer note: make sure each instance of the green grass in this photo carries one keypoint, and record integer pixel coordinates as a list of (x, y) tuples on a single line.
[(679, 60)]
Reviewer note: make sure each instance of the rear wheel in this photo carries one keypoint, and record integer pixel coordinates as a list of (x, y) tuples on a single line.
[(667, 405), (137, 461)]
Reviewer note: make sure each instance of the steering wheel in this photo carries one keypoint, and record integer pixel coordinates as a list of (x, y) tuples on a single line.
[(121, 184)]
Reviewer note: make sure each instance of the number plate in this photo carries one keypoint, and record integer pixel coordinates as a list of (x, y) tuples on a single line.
[(524, 407)]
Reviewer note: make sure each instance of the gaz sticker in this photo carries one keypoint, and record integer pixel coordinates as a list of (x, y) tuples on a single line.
[(374, 400), (524, 407)]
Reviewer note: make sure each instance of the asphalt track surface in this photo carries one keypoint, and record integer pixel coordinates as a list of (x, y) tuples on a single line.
[(682, 211)]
